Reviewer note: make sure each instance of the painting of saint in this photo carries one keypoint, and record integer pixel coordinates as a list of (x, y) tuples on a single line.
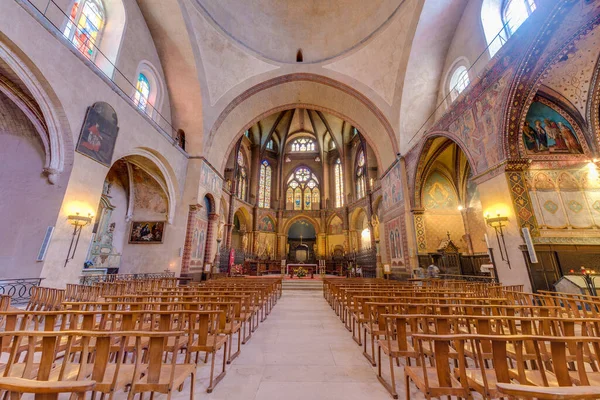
[(147, 232), (99, 133), (266, 225), (545, 131)]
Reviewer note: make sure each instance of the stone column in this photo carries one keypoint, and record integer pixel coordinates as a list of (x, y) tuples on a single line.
[(187, 246), (465, 218)]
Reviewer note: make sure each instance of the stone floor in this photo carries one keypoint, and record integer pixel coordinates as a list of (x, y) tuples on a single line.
[(302, 351)]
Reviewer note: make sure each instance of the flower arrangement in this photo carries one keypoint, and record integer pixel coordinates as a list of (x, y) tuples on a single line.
[(237, 269), (300, 272)]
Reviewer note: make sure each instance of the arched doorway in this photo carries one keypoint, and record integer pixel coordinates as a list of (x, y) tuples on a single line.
[(302, 237), (453, 227)]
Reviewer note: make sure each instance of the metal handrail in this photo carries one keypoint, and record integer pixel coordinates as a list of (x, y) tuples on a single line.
[(52, 17), (19, 289)]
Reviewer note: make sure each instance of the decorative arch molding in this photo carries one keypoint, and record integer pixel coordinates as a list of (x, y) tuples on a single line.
[(247, 217), (315, 223), (372, 117), (44, 110), (593, 103), (530, 73), (166, 179), (424, 163)]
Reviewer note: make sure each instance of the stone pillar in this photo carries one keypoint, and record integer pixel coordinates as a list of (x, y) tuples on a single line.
[(465, 218), (187, 246)]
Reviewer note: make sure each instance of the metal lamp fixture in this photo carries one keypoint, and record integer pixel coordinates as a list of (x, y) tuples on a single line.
[(498, 222), (78, 223)]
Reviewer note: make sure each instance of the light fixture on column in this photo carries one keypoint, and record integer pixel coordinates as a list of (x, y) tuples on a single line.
[(78, 223), (498, 222)]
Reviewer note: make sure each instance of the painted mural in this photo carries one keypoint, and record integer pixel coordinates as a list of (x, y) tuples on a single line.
[(336, 226), (565, 199), (394, 241), (546, 131), (438, 193), (391, 186), (148, 195), (266, 224), (210, 180)]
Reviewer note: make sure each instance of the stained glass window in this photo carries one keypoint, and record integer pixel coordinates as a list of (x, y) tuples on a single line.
[(270, 145), (142, 93), (85, 25), (360, 176), (303, 145), (242, 179), (298, 199), (515, 13), (305, 186), (289, 198), (316, 198), (339, 184), (264, 185), (459, 81)]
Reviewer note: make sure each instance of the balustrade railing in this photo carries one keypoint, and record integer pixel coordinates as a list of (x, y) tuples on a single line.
[(19, 289), (92, 279)]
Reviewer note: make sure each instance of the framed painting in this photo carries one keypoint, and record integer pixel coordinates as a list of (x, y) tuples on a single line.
[(99, 133), (147, 232)]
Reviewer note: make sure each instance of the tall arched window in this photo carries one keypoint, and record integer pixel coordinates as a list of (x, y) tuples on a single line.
[(515, 12), (303, 145), (270, 145), (242, 178), (303, 190), (339, 184), (264, 185), (85, 25), (142, 93), (459, 81), (361, 181)]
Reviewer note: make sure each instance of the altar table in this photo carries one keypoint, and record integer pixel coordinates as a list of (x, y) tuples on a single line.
[(310, 268)]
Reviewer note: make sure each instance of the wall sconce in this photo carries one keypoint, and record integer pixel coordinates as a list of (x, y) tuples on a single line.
[(498, 222), (78, 223)]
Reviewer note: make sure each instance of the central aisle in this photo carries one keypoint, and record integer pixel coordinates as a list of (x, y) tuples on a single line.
[(301, 352)]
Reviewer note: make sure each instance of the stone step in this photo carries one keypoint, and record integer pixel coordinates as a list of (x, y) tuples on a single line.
[(302, 285)]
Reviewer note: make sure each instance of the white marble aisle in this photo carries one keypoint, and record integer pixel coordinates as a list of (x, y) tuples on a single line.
[(301, 352)]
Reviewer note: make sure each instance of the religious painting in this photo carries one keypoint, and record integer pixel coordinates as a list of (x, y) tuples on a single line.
[(266, 224), (209, 179), (545, 131), (99, 133), (147, 232)]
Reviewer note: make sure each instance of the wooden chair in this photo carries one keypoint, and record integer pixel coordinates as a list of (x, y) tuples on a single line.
[(549, 393), (438, 380), (204, 335), (155, 375), (395, 344)]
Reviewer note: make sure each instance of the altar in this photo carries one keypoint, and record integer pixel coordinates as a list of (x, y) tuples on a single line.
[(310, 268)]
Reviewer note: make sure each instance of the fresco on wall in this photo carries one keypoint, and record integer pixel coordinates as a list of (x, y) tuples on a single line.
[(99, 133), (336, 226), (148, 195), (545, 131), (438, 193), (565, 199), (209, 179), (391, 185), (394, 241), (266, 224)]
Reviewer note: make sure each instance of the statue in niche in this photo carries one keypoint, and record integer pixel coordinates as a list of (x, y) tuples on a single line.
[(220, 231), (375, 225), (244, 242)]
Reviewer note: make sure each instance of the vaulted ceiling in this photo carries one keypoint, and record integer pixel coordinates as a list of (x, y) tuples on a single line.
[(230, 63)]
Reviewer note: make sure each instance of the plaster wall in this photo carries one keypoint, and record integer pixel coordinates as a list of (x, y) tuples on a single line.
[(65, 73), (28, 203), (495, 196)]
